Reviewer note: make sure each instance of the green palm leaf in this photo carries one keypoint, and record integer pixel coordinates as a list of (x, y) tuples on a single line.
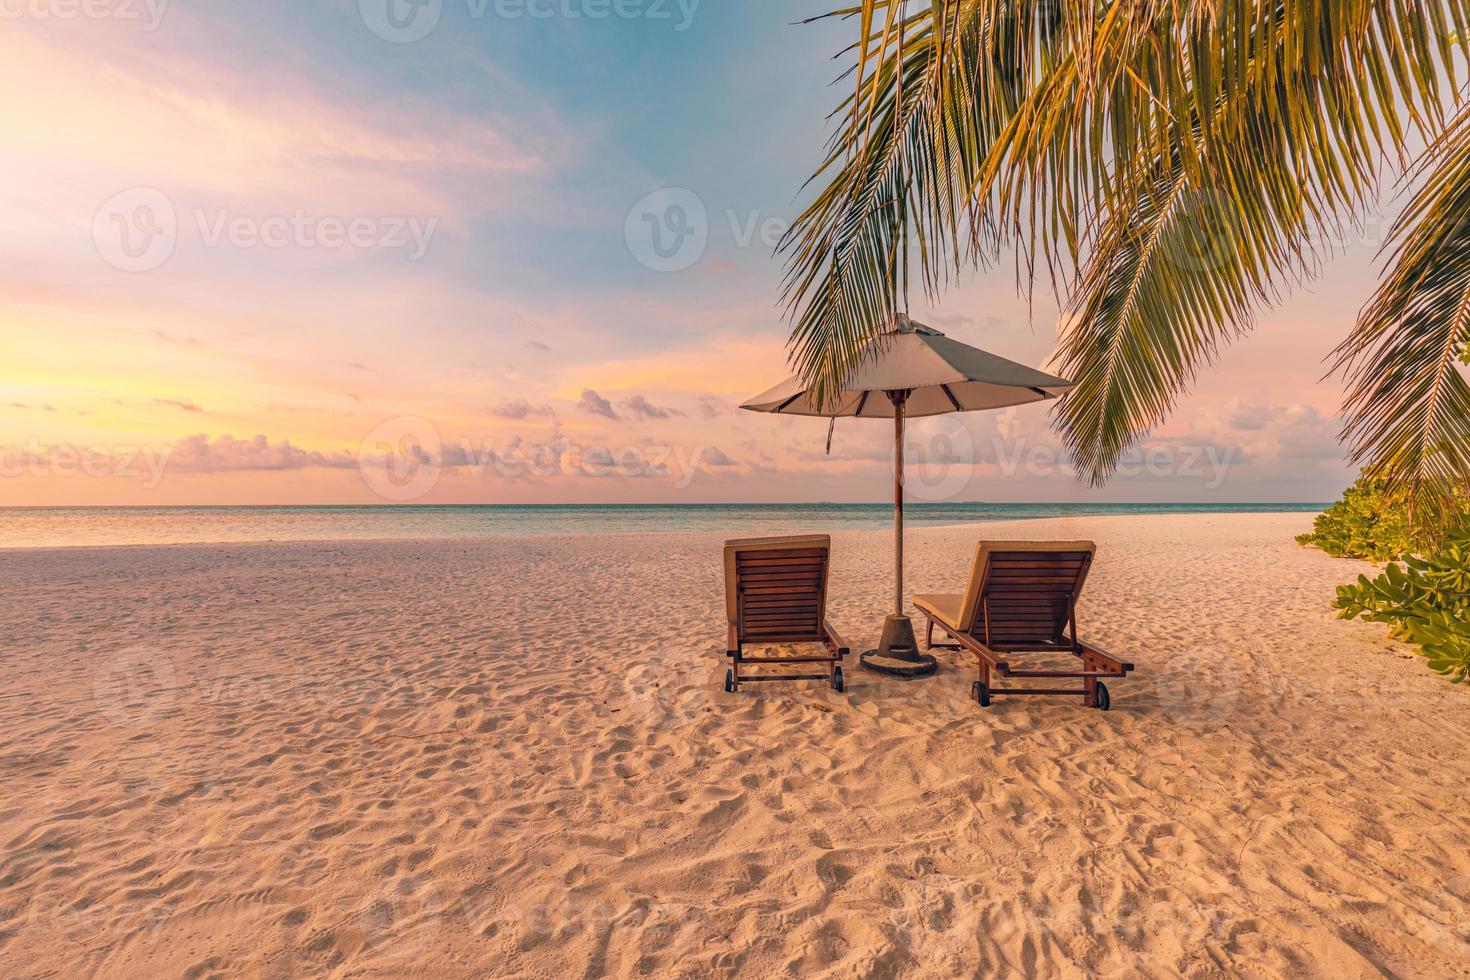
[(1167, 283), (1408, 404)]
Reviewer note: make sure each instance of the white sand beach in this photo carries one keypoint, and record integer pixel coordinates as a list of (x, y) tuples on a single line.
[(513, 757)]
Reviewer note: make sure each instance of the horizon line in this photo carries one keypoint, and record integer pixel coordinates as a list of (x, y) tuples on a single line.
[(792, 503)]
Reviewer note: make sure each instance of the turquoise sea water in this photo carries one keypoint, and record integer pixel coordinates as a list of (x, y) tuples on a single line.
[(48, 527)]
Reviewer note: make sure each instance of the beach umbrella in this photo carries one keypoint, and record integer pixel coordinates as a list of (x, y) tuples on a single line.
[(913, 371)]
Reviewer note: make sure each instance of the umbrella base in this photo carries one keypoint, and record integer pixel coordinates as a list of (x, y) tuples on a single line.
[(898, 652)]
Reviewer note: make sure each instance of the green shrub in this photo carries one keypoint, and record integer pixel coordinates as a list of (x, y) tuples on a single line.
[(1368, 522), (1423, 594), (1424, 601)]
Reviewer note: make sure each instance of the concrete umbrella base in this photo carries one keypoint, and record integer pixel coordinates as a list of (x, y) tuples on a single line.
[(898, 652)]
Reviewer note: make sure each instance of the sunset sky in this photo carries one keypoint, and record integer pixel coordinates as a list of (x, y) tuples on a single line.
[(249, 246)]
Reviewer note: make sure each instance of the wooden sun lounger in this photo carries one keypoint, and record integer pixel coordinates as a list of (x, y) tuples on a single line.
[(776, 593), (1022, 597)]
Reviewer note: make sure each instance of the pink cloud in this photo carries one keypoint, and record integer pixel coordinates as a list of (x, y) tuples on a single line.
[(200, 454), (594, 404), (519, 408), (179, 403), (713, 456), (641, 407)]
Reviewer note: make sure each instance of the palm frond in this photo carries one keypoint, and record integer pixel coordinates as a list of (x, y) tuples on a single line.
[(896, 172), (1167, 284), (1065, 129), (1408, 402)]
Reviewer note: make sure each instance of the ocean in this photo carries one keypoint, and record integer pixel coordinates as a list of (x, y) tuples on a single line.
[(53, 527)]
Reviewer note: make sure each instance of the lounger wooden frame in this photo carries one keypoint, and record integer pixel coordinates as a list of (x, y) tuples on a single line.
[(1022, 598), (776, 593)]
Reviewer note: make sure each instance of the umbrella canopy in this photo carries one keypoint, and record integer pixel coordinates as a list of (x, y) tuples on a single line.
[(940, 375), (911, 371)]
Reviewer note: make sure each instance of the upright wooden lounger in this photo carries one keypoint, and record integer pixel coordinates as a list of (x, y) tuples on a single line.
[(776, 593), (1022, 597)]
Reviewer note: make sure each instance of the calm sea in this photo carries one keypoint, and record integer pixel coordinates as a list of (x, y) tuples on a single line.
[(48, 527)]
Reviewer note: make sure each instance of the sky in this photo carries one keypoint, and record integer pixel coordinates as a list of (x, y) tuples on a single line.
[(501, 251)]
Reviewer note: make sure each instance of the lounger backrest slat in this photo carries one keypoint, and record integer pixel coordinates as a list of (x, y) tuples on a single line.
[(1025, 592), (777, 588)]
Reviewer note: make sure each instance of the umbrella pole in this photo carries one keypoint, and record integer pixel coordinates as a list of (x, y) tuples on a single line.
[(898, 421), (898, 649)]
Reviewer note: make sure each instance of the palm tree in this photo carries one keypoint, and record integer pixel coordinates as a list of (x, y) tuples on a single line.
[(1171, 167)]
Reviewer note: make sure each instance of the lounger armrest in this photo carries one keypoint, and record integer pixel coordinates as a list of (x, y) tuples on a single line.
[(732, 641), (1122, 666), (981, 650), (834, 641)]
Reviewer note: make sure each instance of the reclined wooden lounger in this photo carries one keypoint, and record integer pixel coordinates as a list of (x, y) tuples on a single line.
[(1022, 597), (776, 592)]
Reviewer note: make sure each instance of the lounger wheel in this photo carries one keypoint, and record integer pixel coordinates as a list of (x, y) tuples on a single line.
[(730, 681), (1101, 700), (837, 684), (981, 693)]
